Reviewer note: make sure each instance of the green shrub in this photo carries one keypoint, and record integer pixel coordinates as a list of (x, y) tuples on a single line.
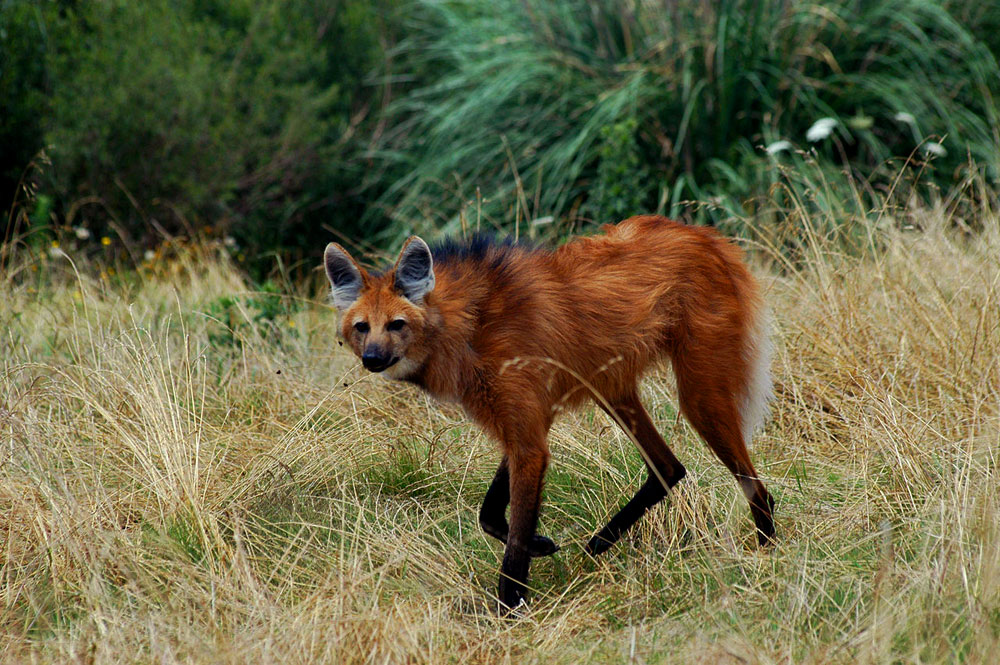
[(265, 314), (622, 184), (167, 117), (23, 81)]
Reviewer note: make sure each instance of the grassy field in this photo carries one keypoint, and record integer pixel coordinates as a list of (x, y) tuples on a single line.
[(193, 472)]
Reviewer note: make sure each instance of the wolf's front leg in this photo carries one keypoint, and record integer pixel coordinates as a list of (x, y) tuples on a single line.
[(527, 469)]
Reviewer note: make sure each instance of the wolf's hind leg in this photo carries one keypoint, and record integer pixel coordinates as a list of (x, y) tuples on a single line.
[(665, 471)]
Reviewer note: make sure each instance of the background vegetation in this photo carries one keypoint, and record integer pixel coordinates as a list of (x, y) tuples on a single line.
[(609, 107), (284, 123), (157, 119)]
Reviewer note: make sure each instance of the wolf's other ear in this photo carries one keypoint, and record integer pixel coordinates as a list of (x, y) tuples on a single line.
[(344, 275), (415, 270)]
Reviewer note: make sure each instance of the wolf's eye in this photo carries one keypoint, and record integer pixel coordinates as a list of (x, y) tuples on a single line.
[(395, 325), (361, 327)]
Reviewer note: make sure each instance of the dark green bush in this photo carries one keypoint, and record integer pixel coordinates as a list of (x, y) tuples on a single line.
[(169, 116), (982, 20), (23, 82)]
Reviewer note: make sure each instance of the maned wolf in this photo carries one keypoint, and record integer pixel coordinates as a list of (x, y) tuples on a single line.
[(515, 334)]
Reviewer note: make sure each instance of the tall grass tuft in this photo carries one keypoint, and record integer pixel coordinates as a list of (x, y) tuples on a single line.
[(556, 100)]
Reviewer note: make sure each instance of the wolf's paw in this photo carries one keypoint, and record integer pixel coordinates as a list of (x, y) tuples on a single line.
[(542, 546)]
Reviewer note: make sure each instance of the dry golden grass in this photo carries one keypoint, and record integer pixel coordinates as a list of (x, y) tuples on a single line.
[(173, 492)]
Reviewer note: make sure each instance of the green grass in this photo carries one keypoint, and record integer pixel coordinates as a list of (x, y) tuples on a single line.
[(600, 109)]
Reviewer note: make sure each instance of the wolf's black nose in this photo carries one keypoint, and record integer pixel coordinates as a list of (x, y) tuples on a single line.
[(375, 359)]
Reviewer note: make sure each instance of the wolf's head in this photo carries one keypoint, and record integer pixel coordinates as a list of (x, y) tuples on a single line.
[(384, 317)]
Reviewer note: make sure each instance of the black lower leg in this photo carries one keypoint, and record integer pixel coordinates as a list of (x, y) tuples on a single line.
[(513, 586), (665, 470), (493, 514), (493, 519), (651, 493), (762, 509)]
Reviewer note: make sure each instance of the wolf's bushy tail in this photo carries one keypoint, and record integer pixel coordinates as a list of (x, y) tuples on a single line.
[(758, 388)]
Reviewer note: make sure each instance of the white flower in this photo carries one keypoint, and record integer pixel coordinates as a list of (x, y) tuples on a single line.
[(778, 146), (55, 252), (902, 116), (934, 148), (229, 241), (821, 129), (149, 255), (82, 232)]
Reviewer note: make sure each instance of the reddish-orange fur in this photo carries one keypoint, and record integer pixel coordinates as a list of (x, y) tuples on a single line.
[(519, 339)]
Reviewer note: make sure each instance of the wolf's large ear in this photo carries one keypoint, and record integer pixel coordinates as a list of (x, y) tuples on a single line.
[(344, 274), (414, 270)]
